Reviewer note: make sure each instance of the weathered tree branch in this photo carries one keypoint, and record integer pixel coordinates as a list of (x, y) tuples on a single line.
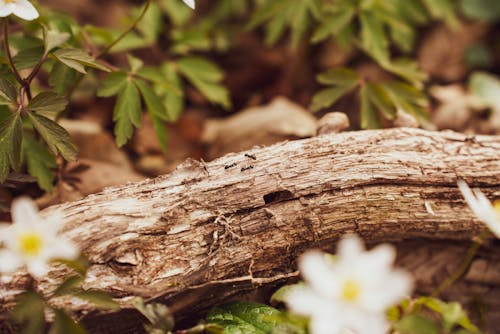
[(211, 230)]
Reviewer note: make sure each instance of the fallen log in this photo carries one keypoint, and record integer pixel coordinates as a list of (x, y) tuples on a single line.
[(210, 231)]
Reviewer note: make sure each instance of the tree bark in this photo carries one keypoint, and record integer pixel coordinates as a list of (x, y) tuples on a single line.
[(210, 231)]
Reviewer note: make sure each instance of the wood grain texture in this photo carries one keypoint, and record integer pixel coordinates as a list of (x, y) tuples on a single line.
[(211, 230)]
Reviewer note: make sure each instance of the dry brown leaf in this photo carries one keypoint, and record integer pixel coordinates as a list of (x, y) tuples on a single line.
[(264, 125)]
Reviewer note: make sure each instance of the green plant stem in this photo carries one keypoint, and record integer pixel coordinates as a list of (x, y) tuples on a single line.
[(471, 253), (126, 32), (36, 69), (106, 50), (7, 51)]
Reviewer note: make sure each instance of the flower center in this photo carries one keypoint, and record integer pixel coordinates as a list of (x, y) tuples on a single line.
[(350, 290), (31, 244), (10, 1)]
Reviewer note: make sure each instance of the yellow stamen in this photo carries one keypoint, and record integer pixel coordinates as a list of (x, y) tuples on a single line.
[(350, 290), (30, 244), (9, 1)]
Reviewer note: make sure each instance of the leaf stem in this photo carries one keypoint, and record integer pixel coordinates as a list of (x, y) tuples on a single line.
[(106, 50), (471, 253), (9, 54), (126, 32)]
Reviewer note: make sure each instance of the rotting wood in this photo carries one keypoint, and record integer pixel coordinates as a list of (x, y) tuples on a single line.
[(211, 230)]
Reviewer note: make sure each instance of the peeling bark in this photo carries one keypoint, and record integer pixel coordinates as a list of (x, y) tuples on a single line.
[(213, 230)]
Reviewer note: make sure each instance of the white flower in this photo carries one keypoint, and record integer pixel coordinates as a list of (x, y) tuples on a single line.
[(350, 293), (190, 3), (482, 207), (20, 8), (32, 241)]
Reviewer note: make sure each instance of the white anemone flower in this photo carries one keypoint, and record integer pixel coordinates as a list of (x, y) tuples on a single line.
[(482, 207), (190, 3), (20, 8), (350, 293), (32, 241)]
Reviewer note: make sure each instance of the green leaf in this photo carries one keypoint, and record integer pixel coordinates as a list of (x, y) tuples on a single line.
[(135, 63), (414, 324), (451, 313), (29, 313), (11, 131), (173, 102), (70, 285), (56, 137), (343, 81), (48, 103), (112, 84), (333, 23), (370, 119), (205, 76), (8, 91), (77, 59), (62, 78), (409, 99), (442, 9), (245, 317), (127, 112), (151, 25), (280, 295), (80, 265), (100, 299), (153, 102), (200, 69), (64, 324), (486, 10), (156, 111), (54, 39), (407, 69), (327, 97), (485, 86), (41, 163), (378, 96), (373, 36), (339, 77), (28, 58)]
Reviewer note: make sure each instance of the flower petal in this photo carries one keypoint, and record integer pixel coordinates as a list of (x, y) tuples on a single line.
[(25, 10), (190, 3), (481, 207), (318, 272), (9, 261), (24, 212), (306, 301), (325, 324), (63, 249), (5, 8), (368, 323), (37, 267), (350, 247)]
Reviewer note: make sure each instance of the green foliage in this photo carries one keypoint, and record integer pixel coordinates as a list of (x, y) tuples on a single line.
[(419, 316), (253, 318), (63, 324), (29, 313), (31, 307), (10, 144), (40, 162), (485, 10), (486, 87), (384, 98)]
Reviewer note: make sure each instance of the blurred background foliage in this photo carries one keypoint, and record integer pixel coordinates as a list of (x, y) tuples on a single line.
[(143, 64)]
